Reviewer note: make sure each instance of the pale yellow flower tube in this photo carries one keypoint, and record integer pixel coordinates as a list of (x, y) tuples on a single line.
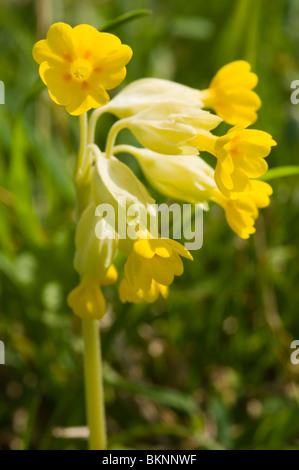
[(183, 177)]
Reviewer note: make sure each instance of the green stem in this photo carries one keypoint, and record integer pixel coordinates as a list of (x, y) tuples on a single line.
[(82, 170), (94, 386), (115, 129), (126, 149), (80, 165), (92, 350)]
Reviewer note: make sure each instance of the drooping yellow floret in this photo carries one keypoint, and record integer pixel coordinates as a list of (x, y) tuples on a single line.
[(87, 299), (241, 155), (152, 264), (79, 64), (242, 213), (231, 94)]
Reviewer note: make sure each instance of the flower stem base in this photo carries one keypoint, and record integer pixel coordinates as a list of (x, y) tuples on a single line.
[(94, 386)]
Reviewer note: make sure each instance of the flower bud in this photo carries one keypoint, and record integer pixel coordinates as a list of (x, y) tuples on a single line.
[(170, 128), (186, 178), (141, 94)]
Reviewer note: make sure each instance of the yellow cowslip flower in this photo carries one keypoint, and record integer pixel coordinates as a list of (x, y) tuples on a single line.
[(241, 213), (87, 299), (79, 64), (170, 127), (152, 261), (128, 294), (241, 155), (231, 94)]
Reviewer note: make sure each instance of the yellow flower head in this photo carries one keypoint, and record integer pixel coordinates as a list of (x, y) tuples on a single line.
[(230, 94), (241, 155), (152, 264), (79, 64), (242, 213), (87, 299)]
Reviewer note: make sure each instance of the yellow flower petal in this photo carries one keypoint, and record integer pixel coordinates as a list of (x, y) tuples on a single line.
[(163, 270), (127, 294), (235, 72), (136, 274), (60, 39), (84, 100), (178, 248), (255, 167), (42, 52), (149, 248), (261, 193), (109, 78), (110, 276), (59, 87), (86, 38)]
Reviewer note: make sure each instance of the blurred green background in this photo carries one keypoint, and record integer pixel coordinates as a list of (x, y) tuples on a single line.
[(210, 367)]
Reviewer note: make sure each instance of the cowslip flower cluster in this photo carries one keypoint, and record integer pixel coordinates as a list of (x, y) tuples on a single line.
[(172, 122)]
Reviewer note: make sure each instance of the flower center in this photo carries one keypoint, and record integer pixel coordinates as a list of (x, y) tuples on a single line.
[(81, 70)]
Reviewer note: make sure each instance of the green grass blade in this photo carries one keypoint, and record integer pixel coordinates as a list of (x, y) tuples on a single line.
[(165, 396), (52, 164), (280, 172), (5, 229), (20, 187), (8, 268), (120, 20)]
